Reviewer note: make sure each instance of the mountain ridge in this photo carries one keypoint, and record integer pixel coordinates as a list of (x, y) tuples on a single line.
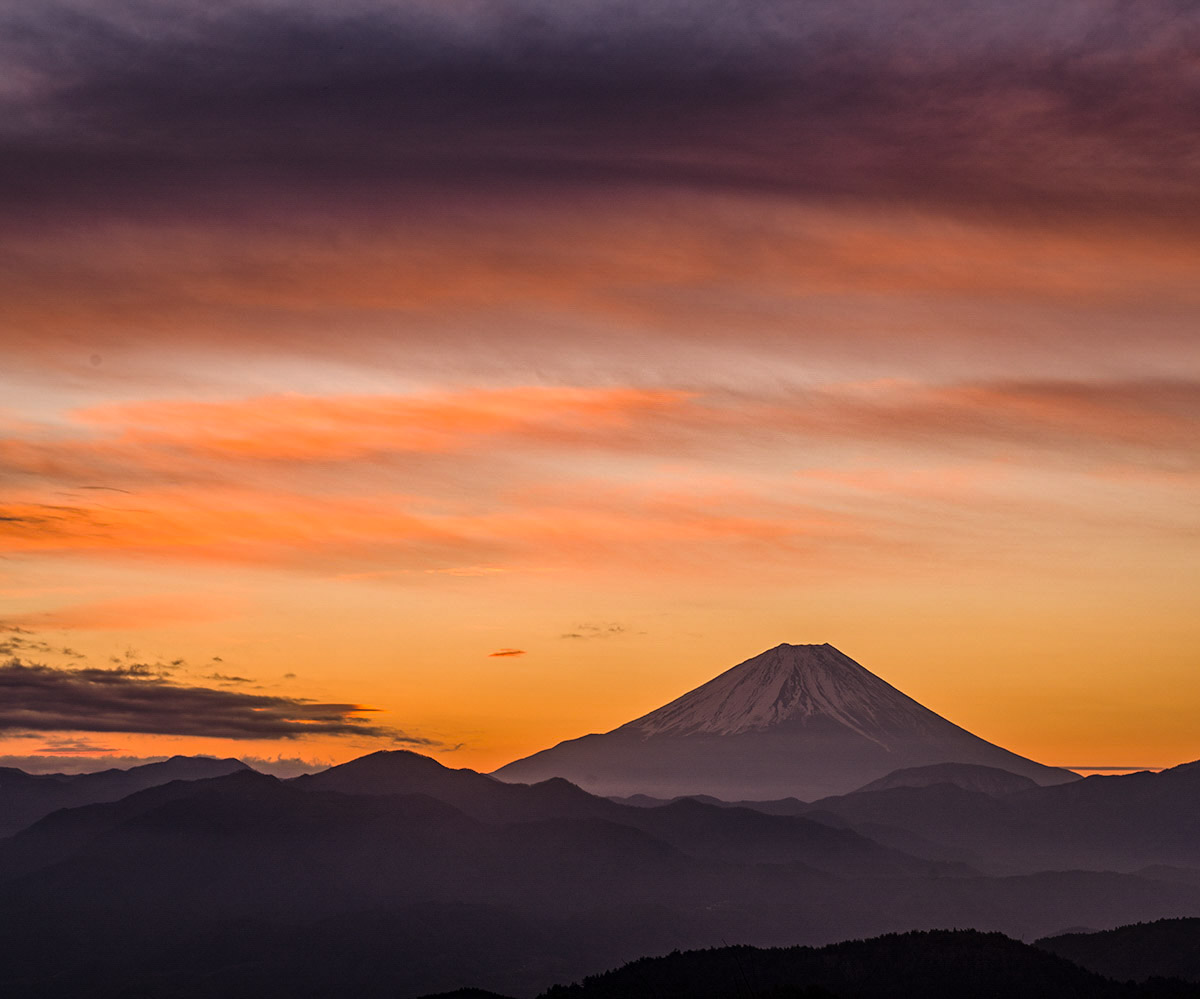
[(26, 798)]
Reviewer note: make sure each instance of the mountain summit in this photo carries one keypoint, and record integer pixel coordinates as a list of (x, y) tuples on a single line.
[(784, 684), (795, 721)]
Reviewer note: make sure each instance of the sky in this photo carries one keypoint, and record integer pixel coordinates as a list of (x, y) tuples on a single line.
[(464, 377)]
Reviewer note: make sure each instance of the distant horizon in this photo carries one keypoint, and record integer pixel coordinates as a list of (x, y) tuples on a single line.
[(293, 767)]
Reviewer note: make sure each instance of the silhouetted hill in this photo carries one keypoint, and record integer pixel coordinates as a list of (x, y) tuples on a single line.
[(1124, 822), (970, 777), (25, 798), (697, 828), (61, 834), (1168, 948), (397, 771), (775, 806), (931, 965), (485, 798)]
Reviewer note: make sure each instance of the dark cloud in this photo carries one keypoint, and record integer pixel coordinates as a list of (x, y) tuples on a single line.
[(1087, 103), (39, 698), (506, 652), (71, 747), (16, 643)]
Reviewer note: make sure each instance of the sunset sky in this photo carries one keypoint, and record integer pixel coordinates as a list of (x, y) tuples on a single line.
[(467, 376)]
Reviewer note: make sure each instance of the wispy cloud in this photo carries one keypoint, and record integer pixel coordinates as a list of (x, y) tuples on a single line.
[(74, 747), (506, 652), (592, 630), (127, 613), (521, 491)]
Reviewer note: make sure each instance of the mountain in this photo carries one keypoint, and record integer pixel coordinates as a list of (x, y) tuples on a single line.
[(25, 798), (800, 721), (714, 831), (248, 885), (1166, 948), (64, 833), (970, 777), (1144, 822)]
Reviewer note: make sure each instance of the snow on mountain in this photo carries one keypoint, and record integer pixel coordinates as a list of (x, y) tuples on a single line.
[(801, 721), (788, 683)]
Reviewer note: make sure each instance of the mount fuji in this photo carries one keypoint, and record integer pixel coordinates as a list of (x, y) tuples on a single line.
[(801, 721)]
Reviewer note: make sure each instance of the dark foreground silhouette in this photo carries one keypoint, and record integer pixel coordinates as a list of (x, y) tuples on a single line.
[(930, 965), (1167, 947), (926, 965), (394, 876)]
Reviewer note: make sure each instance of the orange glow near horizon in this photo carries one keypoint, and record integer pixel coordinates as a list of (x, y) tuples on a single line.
[(508, 475)]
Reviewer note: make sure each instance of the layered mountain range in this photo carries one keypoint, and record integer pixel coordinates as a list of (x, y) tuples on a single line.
[(25, 798), (801, 721), (394, 876)]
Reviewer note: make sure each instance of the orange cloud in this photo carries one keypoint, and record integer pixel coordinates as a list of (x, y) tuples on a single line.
[(474, 483), (1150, 422), (627, 282), (332, 428), (179, 441)]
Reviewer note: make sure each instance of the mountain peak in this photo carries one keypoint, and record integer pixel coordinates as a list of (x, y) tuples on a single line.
[(802, 721), (784, 684), (385, 763)]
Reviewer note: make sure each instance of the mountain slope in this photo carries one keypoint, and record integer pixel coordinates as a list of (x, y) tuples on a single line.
[(1120, 822), (712, 832), (25, 798), (796, 721)]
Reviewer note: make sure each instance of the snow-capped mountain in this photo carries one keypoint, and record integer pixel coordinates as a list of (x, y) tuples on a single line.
[(787, 683), (797, 720)]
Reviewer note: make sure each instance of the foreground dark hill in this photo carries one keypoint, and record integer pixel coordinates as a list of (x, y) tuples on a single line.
[(248, 885), (1167, 948), (1124, 822), (929, 965), (25, 798), (799, 721)]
